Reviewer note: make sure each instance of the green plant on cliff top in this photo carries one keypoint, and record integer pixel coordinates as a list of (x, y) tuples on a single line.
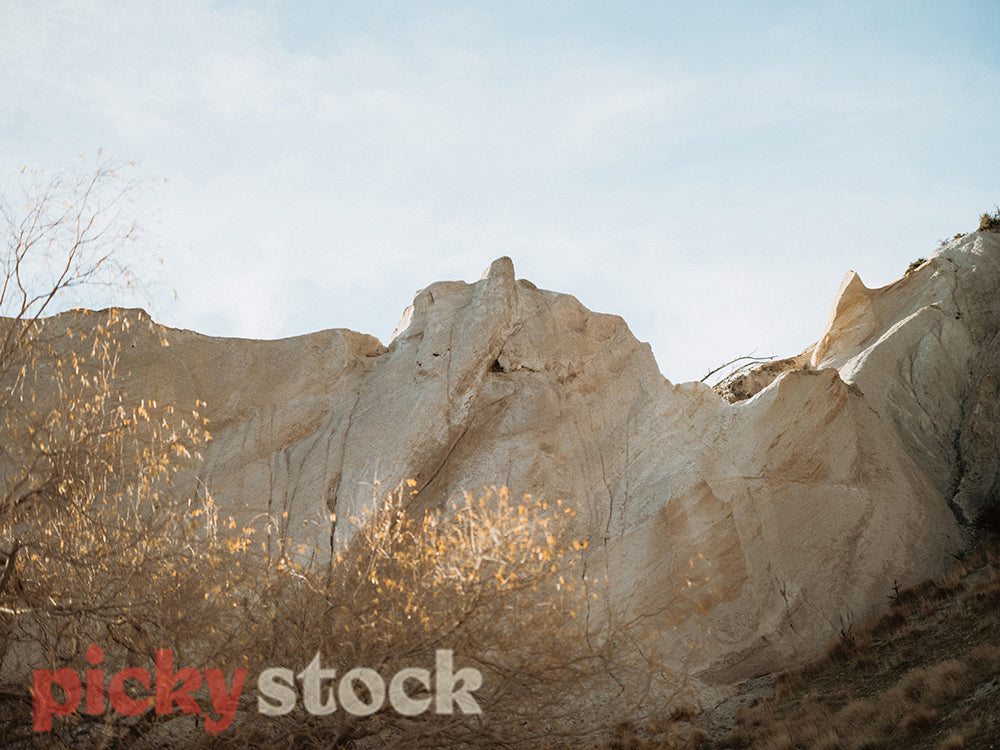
[(990, 222)]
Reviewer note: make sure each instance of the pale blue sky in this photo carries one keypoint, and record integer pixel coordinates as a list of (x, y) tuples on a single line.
[(708, 171)]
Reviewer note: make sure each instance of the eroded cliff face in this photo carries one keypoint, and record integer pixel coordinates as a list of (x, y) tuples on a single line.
[(779, 516)]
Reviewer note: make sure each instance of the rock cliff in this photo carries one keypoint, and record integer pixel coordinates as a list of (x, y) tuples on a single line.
[(779, 516)]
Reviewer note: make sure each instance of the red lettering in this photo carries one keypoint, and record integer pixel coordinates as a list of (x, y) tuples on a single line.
[(224, 702), (166, 678), (44, 705), (95, 681), (121, 701)]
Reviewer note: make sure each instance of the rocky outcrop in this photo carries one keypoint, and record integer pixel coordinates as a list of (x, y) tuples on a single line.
[(778, 516), (744, 383)]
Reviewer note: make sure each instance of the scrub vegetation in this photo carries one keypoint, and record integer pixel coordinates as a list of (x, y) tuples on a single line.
[(922, 673)]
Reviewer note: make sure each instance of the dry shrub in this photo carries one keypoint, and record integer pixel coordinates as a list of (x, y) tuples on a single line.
[(913, 704), (737, 737), (781, 740), (838, 652), (684, 712), (889, 622), (866, 662), (985, 597), (97, 546), (954, 741), (993, 559), (910, 703), (931, 590), (850, 647), (985, 658), (787, 683), (489, 580), (828, 741), (919, 719), (907, 596), (918, 702), (754, 715), (867, 715), (912, 686), (624, 737), (692, 741), (928, 686)]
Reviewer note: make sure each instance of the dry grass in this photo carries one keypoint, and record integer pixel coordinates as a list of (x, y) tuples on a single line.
[(954, 741), (924, 673), (664, 737)]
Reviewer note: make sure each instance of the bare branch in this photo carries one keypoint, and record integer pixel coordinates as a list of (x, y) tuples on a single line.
[(748, 360)]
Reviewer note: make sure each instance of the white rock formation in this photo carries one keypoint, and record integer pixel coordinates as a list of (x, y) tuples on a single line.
[(800, 505)]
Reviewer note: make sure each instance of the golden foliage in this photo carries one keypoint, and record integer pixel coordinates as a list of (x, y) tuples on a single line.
[(93, 546), (493, 579)]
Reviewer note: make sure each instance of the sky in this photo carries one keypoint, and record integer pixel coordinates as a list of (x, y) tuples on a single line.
[(709, 171)]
